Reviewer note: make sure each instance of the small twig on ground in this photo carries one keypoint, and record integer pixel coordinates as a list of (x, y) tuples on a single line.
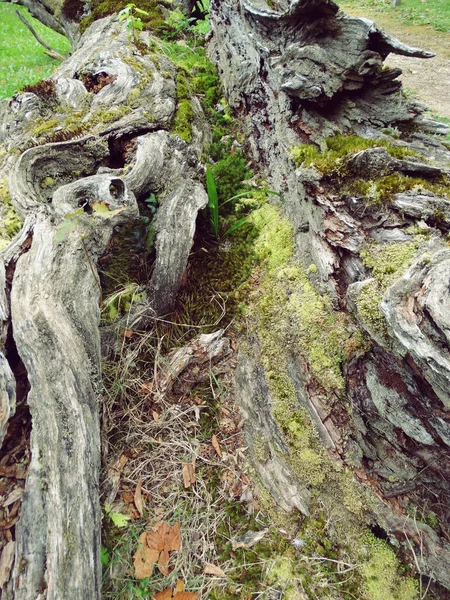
[(50, 51)]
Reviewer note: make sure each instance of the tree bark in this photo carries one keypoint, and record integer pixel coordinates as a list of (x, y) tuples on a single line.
[(300, 72), (72, 198)]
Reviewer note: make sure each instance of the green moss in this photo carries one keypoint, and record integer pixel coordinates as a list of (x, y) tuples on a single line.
[(102, 8), (42, 126), (380, 574), (338, 148), (368, 305), (182, 124), (387, 262), (47, 182), (10, 222), (229, 172), (103, 116), (120, 302)]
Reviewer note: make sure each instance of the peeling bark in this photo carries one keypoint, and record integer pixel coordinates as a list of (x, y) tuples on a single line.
[(301, 73)]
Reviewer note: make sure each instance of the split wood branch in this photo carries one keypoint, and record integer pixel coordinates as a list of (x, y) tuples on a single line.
[(50, 51)]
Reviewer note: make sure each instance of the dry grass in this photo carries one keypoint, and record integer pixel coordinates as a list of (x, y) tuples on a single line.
[(157, 436)]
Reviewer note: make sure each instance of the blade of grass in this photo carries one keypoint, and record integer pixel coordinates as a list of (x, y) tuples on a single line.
[(213, 202)]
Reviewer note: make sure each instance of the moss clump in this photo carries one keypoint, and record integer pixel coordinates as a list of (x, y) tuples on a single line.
[(382, 190), (103, 116), (229, 172), (338, 148), (380, 571), (43, 126), (182, 123), (47, 182), (387, 262), (10, 222), (120, 302), (154, 19)]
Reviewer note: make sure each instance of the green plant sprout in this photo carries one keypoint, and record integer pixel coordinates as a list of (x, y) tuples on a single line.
[(213, 204), (130, 14), (119, 519)]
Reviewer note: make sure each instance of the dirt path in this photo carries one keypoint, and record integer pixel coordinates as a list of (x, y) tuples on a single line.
[(429, 79)]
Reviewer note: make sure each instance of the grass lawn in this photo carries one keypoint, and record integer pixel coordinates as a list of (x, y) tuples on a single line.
[(418, 12), (22, 59)]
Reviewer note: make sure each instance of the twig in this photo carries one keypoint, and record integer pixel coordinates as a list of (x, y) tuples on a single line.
[(50, 51)]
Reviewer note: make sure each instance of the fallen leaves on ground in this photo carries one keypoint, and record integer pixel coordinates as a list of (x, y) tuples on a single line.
[(138, 500), (248, 540), (216, 445), (177, 593), (188, 470), (211, 569), (154, 548)]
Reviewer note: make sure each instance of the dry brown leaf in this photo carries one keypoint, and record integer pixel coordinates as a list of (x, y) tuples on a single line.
[(216, 445), (145, 558), (128, 333), (211, 569), (179, 587), (155, 415), (169, 595), (146, 387), (188, 470), (138, 500), (154, 549), (164, 595), (128, 497), (173, 540)]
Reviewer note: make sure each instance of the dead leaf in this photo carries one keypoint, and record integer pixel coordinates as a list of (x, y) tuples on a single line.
[(188, 470), (248, 540), (177, 594), (144, 559), (154, 548), (213, 570), (155, 415), (114, 473), (164, 595), (128, 497), (179, 587), (145, 387), (16, 494), (13, 471), (138, 501), (216, 445), (128, 333)]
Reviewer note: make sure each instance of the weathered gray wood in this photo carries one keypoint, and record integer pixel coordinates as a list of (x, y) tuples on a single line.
[(50, 300), (302, 72)]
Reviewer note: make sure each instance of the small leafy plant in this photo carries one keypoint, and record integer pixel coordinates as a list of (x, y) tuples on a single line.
[(213, 204), (118, 518), (130, 15)]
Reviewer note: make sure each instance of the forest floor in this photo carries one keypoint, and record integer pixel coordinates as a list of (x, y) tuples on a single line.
[(428, 80)]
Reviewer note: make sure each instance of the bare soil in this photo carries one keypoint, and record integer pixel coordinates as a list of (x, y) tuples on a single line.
[(429, 79)]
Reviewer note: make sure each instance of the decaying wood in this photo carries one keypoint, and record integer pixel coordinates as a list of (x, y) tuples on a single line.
[(49, 300), (302, 72)]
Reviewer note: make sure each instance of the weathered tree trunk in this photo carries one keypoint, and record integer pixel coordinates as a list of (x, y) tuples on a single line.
[(295, 72), (299, 72), (71, 199)]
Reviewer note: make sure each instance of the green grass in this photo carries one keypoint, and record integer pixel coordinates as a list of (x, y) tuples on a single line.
[(415, 12), (22, 59)]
